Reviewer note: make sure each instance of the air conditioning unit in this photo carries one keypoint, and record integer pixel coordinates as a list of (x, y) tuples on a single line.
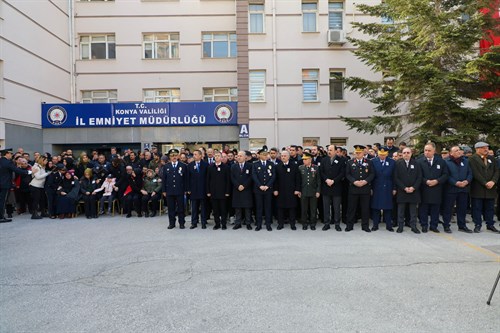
[(336, 37)]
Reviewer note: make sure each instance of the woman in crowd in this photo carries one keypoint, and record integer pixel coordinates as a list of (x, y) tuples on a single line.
[(67, 195), (37, 188), (88, 185), (83, 163)]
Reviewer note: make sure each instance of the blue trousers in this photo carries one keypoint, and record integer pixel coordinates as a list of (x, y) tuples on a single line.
[(424, 210), (263, 207), (175, 205), (460, 200), (387, 217), (198, 209), (483, 207)]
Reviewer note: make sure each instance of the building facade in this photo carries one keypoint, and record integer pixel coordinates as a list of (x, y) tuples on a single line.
[(280, 60)]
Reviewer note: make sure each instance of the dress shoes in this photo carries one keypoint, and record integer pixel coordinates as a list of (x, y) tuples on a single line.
[(436, 230), (349, 228), (203, 226), (415, 230), (128, 215), (171, 227), (400, 230), (447, 230), (193, 226), (153, 214), (477, 229), (4, 220), (313, 227), (182, 227), (492, 228), (249, 226), (326, 227), (237, 226), (216, 227), (304, 227), (280, 226), (258, 228), (338, 228), (465, 229), (36, 217), (374, 228), (139, 215), (293, 227), (366, 229), (425, 229), (224, 227), (389, 229), (269, 228)]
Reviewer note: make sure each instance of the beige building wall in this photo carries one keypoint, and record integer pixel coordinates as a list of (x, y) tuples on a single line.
[(34, 66)]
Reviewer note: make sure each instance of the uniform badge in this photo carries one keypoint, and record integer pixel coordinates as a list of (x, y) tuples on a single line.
[(288, 170), (438, 167), (412, 166), (154, 180), (336, 162), (365, 164), (93, 182), (258, 168), (461, 163), (194, 167), (387, 163), (248, 171), (218, 169), (270, 167), (489, 161)]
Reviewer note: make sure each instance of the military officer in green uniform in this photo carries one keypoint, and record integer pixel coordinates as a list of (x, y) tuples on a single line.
[(309, 191)]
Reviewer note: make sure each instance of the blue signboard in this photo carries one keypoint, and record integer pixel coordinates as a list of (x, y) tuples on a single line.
[(139, 114)]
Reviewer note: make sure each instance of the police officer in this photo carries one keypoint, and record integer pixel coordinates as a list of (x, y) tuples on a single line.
[(263, 176), (383, 189), (174, 186), (286, 190), (309, 191), (359, 174)]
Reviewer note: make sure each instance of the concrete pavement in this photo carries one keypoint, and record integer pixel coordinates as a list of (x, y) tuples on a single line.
[(133, 275)]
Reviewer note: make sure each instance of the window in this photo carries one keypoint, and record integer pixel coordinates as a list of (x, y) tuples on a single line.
[(309, 142), (97, 47), (161, 46), (338, 142), (99, 96), (257, 86), (256, 143), (309, 16), (161, 95), (256, 20), (220, 94), (219, 45), (336, 85), (336, 15), (310, 78)]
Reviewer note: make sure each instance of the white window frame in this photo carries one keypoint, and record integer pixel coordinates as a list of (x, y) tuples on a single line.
[(166, 95), (214, 37), (257, 82), (218, 95), (309, 12), (336, 10), (172, 41), (254, 12), (307, 80), (331, 78), (109, 39), (92, 95)]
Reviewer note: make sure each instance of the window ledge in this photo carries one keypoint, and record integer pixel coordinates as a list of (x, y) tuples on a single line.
[(257, 102), (310, 32), (338, 101), (257, 33), (318, 101)]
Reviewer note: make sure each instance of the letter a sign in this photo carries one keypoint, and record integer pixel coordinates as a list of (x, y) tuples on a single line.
[(244, 131)]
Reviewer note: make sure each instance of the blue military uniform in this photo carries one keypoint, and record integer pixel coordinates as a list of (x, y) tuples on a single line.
[(175, 185), (263, 174)]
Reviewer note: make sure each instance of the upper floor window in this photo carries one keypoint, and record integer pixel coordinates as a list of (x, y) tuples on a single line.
[(162, 95), (336, 85), (219, 45), (99, 96), (336, 15), (309, 16), (97, 47), (161, 45), (257, 86), (256, 19), (310, 84), (220, 95)]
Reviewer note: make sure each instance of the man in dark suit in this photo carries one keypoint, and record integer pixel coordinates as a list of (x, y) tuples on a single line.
[(383, 189), (359, 174), (408, 178), (6, 170), (241, 180), (263, 176), (174, 186), (286, 190), (332, 172), (197, 181), (434, 177), (218, 189)]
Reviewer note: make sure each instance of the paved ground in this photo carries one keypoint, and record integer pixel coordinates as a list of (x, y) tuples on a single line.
[(134, 275)]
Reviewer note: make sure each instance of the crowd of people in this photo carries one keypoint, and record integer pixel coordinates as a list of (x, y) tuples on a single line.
[(381, 183)]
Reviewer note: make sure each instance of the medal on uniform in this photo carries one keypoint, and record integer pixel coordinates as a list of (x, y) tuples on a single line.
[(288, 170), (218, 169), (461, 163), (258, 168), (248, 171), (335, 161), (387, 163), (412, 166)]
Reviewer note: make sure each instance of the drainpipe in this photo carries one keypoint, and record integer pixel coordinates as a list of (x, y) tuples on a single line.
[(275, 77), (71, 33)]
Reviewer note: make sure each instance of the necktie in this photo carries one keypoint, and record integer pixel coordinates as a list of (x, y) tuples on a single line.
[(485, 160), (331, 161), (197, 166), (241, 167), (263, 164), (430, 162)]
